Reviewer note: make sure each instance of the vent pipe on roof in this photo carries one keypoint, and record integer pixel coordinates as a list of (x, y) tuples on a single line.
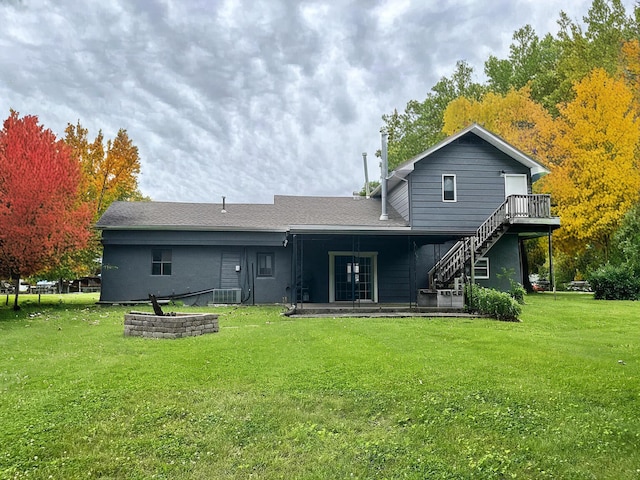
[(224, 210), (366, 176), (384, 167)]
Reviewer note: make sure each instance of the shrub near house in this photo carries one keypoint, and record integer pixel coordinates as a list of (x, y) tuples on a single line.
[(486, 301), (615, 282)]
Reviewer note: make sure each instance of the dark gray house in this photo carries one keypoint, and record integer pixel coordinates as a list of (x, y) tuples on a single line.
[(467, 199)]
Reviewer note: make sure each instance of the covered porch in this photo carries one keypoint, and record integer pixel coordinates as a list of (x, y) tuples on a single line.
[(362, 271)]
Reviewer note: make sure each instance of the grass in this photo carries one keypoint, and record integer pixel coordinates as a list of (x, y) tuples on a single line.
[(271, 397)]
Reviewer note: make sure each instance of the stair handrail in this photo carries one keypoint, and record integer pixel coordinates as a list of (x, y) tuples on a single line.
[(537, 206), (491, 224)]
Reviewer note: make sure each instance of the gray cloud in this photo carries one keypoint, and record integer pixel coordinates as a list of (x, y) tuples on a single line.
[(246, 99)]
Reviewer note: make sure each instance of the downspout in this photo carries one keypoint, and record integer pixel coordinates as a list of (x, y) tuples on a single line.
[(384, 171)]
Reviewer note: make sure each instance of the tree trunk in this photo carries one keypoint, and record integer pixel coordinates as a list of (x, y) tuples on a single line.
[(16, 307), (525, 266)]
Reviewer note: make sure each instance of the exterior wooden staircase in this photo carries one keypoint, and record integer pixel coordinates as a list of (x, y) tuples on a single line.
[(516, 209)]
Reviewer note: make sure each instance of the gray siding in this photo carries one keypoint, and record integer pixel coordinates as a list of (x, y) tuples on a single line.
[(229, 277), (126, 271), (190, 237), (276, 288), (504, 263), (480, 186), (399, 199)]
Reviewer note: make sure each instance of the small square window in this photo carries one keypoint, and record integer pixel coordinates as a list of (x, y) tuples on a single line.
[(481, 269), (161, 262), (448, 188), (265, 264)]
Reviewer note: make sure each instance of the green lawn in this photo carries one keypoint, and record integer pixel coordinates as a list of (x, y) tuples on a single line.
[(272, 397)]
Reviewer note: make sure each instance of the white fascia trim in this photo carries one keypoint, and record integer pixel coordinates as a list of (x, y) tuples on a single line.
[(536, 168), (347, 230), (190, 228)]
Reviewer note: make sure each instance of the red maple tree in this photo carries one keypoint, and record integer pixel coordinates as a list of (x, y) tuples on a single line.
[(41, 214)]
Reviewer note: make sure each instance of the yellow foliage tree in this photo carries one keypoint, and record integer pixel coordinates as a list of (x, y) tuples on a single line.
[(518, 119), (591, 149), (111, 171), (595, 177)]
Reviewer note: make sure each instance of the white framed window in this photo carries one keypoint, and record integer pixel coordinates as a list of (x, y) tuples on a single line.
[(481, 268), (449, 191)]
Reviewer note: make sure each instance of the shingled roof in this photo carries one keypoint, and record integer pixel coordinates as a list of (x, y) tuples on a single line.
[(286, 213)]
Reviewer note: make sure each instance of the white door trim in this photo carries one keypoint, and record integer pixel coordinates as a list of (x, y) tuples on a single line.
[(332, 273)]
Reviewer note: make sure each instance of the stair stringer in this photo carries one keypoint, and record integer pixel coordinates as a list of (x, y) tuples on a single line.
[(453, 262)]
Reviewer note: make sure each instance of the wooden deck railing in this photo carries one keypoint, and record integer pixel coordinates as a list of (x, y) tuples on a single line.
[(513, 209)]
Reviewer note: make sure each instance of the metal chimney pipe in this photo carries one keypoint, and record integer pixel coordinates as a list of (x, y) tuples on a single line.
[(384, 167), (366, 175), (224, 210)]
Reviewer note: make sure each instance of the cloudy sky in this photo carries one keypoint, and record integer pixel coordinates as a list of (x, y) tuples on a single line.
[(247, 99)]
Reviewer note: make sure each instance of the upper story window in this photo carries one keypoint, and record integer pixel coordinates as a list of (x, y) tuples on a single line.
[(449, 193), (160, 262), (265, 264)]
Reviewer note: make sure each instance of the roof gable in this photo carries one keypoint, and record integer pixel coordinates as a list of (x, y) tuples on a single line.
[(403, 170)]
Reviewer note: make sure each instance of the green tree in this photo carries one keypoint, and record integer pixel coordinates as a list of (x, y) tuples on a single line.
[(607, 28), (420, 126), (627, 240), (532, 62)]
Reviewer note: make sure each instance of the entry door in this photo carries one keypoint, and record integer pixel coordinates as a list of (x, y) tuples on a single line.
[(353, 278), (516, 184)]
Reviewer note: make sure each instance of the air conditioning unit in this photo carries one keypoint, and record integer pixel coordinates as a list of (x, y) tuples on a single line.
[(227, 295)]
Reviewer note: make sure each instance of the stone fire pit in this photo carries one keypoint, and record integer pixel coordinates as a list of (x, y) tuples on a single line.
[(174, 325)]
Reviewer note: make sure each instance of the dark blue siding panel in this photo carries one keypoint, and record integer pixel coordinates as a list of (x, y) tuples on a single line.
[(479, 186), (273, 289), (229, 277), (172, 237), (126, 272), (504, 264), (399, 199), (315, 267)]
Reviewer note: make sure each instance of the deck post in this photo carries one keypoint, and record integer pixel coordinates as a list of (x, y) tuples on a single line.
[(551, 275), (472, 271)]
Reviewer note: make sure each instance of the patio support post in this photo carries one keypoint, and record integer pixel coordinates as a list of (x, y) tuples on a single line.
[(473, 264), (551, 273), (302, 268), (412, 259), (294, 271)]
